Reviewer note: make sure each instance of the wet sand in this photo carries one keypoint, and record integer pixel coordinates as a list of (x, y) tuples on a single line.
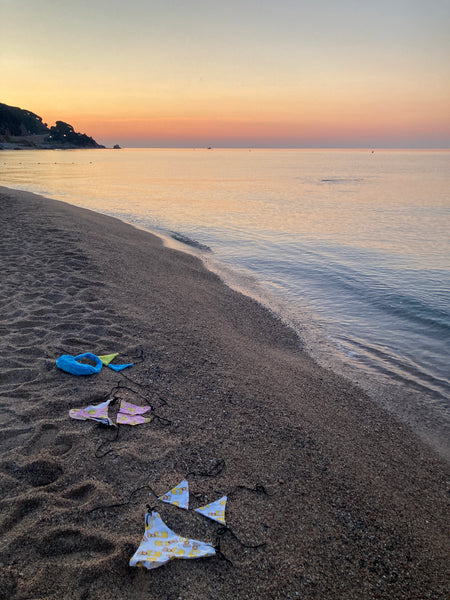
[(340, 499)]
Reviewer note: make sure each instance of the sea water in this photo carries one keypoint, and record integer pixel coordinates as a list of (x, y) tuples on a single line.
[(351, 247)]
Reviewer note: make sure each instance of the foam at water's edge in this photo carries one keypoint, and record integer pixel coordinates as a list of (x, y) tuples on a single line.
[(420, 411)]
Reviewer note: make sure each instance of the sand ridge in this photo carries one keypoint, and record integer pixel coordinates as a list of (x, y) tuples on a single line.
[(341, 500)]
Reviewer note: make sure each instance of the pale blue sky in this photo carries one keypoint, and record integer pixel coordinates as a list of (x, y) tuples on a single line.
[(236, 64)]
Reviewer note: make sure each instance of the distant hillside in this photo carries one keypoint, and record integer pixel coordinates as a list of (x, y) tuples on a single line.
[(21, 128), (15, 121)]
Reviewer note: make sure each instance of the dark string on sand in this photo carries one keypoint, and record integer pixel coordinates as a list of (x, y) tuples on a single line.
[(227, 530), (118, 504), (258, 489), (120, 386), (215, 471), (141, 385), (162, 420), (113, 396), (110, 441), (141, 358)]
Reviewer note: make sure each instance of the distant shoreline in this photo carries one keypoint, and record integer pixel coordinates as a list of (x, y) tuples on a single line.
[(23, 129), (15, 147), (28, 144), (20, 146)]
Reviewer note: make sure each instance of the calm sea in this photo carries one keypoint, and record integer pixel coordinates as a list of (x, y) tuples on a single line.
[(350, 246)]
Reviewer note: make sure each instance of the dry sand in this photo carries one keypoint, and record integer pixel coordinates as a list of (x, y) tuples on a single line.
[(347, 501)]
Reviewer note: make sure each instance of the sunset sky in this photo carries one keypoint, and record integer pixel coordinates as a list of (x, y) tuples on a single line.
[(252, 73)]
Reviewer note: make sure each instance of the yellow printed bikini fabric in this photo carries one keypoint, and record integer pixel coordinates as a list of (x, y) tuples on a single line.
[(214, 510), (178, 496), (160, 544)]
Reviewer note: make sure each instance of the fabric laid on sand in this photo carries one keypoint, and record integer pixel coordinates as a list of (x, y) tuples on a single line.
[(178, 496), (119, 367), (95, 412), (160, 545), (214, 510), (132, 409), (131, 419), (130, 414), (107, 358), (70, 364)]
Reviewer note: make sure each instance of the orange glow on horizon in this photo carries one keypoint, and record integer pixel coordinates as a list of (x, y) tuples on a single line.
[(190, 130), (310, 119), (290, 72)]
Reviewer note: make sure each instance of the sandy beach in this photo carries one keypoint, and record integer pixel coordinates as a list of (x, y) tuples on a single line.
[(329, 497)]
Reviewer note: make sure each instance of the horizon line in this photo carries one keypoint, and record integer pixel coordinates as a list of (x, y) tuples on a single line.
[(218, 147)]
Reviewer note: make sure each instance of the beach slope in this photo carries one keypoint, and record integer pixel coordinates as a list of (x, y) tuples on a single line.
[(329, 497)]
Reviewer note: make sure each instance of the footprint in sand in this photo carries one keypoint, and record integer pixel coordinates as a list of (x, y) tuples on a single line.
[(62, 542), (22, 508), (91, 494), (12, 438), (81, 492), (48, 437), (37, 473)]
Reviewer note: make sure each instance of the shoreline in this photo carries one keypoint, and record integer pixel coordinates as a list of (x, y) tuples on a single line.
[(417, 408), (398, 397), (348, 501)]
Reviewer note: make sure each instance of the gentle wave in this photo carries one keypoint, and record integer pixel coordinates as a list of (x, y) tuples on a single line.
[(397, 368)]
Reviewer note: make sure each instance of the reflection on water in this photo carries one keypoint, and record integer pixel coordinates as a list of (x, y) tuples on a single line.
[(385, 201)]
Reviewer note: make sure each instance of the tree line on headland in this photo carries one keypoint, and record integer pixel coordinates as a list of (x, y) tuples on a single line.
[(21, 129)]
